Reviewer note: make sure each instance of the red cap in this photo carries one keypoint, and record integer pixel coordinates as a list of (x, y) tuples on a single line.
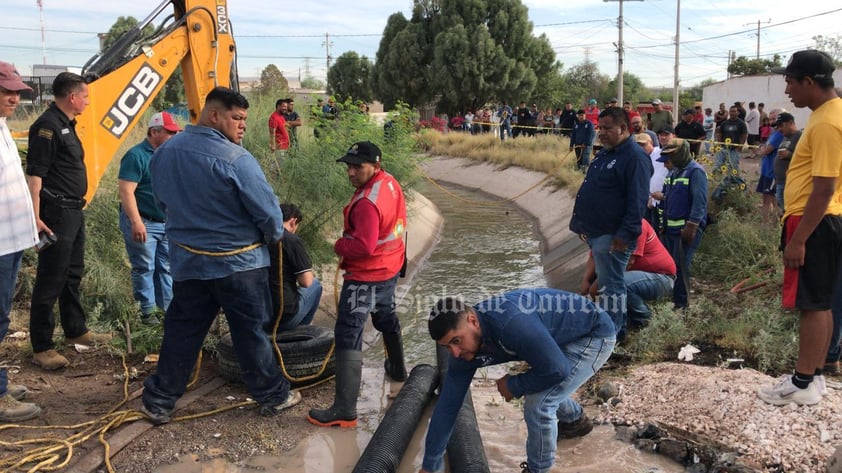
[(10, 79), (165, 121)]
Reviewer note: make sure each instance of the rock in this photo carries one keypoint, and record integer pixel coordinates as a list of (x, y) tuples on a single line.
[(675, 449), (626, 434), (646, 445), (834, 463), (607, 391)]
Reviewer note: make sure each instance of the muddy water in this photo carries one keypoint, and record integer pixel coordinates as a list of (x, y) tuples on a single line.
[(483, 250)]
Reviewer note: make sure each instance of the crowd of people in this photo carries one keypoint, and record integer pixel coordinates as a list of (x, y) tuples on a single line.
[(641, 210)]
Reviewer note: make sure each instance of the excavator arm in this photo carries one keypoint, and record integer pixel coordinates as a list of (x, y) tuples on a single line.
[(123, 80)]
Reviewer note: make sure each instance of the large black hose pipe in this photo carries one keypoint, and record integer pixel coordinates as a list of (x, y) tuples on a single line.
[(464, 451), (386, 448)]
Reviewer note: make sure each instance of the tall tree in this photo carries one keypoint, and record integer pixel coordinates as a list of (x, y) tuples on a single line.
[(272, 82), (311, 82), (585, 82), (633, 89), (350, 77), (465, 51), (743, 66), (830, 45)]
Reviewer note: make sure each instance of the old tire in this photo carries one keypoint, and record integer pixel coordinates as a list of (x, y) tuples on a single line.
[(304, 349)]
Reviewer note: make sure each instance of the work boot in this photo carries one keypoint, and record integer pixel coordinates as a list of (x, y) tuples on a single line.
[(525, 467), (293, 398), (49, 360), (17, 391), (12, 410), (394, 363), (578, 428), (89, 338), (343, 412), (832, 368)]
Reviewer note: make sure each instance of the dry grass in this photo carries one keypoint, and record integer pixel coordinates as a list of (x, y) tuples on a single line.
[(543, 153)]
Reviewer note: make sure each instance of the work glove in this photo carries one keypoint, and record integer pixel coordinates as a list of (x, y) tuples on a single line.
[(688, 233)]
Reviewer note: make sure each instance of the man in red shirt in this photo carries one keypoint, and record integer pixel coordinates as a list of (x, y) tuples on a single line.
[(278, 134), (649, 276), (372, 254)]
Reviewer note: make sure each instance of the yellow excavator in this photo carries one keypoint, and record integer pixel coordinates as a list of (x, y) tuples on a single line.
[(123, 80)]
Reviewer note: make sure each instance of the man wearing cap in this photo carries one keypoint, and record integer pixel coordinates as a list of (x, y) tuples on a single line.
[(691, 130), (613, 102), (221, 215), (731, 136), (564, 337), (684, 202), (58, 182), (19, 233), (766, 181), (581, 140), (610, 205), (665, 136), (372, 254), (592, 112), (791, 134), (142, 221), (660, 118), (567, 120), (812, 233)]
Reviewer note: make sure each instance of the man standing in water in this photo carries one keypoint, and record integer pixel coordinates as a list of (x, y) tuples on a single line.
[(563, 337)]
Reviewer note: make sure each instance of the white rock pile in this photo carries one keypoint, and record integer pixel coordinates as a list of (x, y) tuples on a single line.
[(721, 406)]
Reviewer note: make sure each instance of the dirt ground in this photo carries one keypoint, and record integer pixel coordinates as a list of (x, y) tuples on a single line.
[(92, 386)]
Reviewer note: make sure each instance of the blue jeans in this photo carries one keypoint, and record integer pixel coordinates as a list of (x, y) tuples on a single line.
[(732, 155), (505, 128), (583, 157), (641, 287), (9, 265), (245, 298), (308, 302), (675, 246), (358, 299), (544, 409), (610, 270), (151, 279)]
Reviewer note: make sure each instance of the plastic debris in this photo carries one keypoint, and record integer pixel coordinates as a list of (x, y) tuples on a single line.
[(687, 351)]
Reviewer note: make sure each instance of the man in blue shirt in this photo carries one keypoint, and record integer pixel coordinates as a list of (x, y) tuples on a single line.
[(221, 214), (610, 205), (563, 337), (505, 115), (581, 140), (142, 221), (685, 204)]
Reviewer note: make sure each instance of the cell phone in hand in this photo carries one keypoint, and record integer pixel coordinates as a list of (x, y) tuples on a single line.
[(46, 240)]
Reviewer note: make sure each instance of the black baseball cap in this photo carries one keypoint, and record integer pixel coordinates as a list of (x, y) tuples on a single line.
[(361, 152), (666, 129), (784, 117), (808, 63)]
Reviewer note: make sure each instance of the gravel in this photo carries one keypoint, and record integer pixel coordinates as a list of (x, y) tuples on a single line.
[(721, 406)]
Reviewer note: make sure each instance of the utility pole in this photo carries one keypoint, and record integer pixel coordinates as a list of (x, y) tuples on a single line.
[(675, 79), (327, 44), (620, 50), (43, 40), (758, 33)]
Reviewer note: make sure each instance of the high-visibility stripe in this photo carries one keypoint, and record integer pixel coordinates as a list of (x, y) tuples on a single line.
[(675, 223)]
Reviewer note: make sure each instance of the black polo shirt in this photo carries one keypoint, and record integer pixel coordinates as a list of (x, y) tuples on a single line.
[(56, 155)]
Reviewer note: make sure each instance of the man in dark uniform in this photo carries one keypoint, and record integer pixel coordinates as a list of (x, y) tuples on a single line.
[(57, 180)]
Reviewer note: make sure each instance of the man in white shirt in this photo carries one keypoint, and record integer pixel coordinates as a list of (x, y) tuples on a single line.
[(656, 182), (753, 124), (19, 233)]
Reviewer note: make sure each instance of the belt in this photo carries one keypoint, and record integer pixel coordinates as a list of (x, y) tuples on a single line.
[(156, 220), (62, 201)]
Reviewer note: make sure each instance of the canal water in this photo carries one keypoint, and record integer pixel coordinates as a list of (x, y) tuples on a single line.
[(485, 247)]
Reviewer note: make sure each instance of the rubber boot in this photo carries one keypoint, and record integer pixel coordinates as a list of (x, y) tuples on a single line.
[(394, 363), (343, 412)]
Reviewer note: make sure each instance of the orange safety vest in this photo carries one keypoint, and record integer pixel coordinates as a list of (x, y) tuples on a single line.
[(386, 194)]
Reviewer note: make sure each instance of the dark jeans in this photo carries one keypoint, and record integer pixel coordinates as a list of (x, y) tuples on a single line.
[(247, 303), (356, 301), (9, 265), (59, 273), (834, 352), (678, 250)]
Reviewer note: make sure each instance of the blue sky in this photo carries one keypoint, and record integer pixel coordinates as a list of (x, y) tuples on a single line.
[(291, 35)]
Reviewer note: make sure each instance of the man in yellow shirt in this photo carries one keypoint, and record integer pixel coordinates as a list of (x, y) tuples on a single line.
[(812, 233)]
